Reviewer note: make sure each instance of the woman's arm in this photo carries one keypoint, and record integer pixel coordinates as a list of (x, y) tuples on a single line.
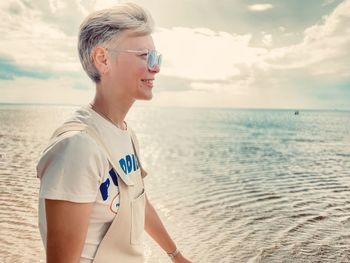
[(155, 228), (67, 224)]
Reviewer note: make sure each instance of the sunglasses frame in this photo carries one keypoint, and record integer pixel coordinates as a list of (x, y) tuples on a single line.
[(157, 55)]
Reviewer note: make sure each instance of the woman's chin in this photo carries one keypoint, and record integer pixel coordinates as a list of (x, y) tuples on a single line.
[(145, 93), (145, 96)]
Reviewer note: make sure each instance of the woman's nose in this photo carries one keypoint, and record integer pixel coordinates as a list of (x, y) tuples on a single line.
[(156, 69)]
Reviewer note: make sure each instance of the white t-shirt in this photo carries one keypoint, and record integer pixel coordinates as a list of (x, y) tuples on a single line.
[(76, 169)]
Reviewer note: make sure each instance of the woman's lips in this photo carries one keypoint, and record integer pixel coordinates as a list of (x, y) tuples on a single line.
[(148, 82)]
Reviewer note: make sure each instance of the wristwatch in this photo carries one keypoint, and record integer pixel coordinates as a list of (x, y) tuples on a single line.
[(173, 254)]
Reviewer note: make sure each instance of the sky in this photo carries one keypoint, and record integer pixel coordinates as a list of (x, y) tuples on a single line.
[(225, 53)]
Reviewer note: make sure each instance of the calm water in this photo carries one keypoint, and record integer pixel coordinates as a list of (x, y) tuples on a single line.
[(230, 185)]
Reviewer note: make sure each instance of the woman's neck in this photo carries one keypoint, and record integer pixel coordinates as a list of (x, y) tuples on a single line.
[(115, 112)]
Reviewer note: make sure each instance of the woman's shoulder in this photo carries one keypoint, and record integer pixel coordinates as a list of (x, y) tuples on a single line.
[(76, 141), (73, 147), (71, 168)]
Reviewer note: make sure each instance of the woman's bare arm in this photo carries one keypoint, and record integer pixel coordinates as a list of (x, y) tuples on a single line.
[(155, 228), (67, 224)]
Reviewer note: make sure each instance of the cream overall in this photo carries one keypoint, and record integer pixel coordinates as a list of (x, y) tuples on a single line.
[(123, 242)]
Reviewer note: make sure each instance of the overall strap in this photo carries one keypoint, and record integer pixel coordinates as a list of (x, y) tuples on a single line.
[(98, 140), (136, 150), (68, 126)]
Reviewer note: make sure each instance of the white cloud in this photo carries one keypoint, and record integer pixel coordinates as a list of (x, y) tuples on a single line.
[(324, 49), (55, 5), (31, 42), (55, 90), (235, 96), (267, 39), (220, 68), (327, 2), (202, 54), (260, 7), (282, 29), (267, 78)]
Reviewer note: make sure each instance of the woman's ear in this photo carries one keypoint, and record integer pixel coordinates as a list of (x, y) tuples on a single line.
[(99, 56)]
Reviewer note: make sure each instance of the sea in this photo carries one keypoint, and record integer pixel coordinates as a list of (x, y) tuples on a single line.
[(230, 185)]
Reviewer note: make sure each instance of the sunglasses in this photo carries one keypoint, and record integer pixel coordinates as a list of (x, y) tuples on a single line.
[(154, 58)]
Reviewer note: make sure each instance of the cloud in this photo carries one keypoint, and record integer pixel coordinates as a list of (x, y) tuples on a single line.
[(202, 54), (32, 43), (9, 70), (62, 14), (55, 90), (282, 29), (169, 83), (201, 66), (266, 39), (260, 7), (324, 48), (259, 76), (327, 2)]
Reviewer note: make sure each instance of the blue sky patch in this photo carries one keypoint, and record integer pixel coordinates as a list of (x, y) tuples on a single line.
[(9, 71)]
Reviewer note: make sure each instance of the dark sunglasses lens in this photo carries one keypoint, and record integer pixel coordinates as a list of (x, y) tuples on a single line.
[(152, 59)]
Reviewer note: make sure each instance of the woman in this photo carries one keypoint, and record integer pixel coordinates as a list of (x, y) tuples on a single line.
[(92, 202)]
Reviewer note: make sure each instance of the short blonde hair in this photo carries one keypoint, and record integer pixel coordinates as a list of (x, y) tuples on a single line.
[(103, 26)]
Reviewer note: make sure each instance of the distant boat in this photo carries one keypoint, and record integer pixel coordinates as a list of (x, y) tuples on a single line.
[(296, 112)]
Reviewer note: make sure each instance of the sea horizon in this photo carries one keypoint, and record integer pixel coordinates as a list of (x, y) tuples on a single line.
[(194, 107)]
